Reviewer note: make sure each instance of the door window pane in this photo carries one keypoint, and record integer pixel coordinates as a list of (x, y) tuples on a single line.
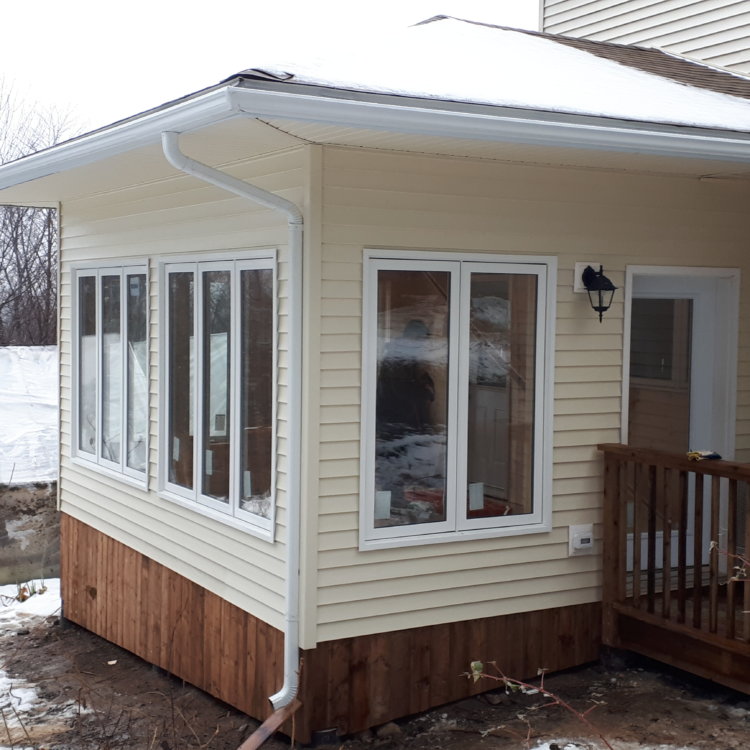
[(216, 353), (87, 364), (181, 372), (256, 391), (137, 386), (500, 435), (411, 397), (111, 369)]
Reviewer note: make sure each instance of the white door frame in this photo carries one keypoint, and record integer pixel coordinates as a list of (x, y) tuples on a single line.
[(724, 338)]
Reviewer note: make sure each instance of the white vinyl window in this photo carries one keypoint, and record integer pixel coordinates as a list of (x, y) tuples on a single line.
[(456, 404), (111, 368), (218, 383)]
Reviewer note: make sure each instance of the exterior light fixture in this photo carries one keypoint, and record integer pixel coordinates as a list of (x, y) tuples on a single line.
[(600, 289)]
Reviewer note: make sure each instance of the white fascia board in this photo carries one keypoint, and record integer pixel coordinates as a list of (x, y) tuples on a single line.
[(141, 130), (536, 128)]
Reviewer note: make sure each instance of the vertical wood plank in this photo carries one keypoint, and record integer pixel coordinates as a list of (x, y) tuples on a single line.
[(698, 552), (612, 540), (713, 569), (638, 508), (682, 545), (667, 503), (651, 543), (731, 622)]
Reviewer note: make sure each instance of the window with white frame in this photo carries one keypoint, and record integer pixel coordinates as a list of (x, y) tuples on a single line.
[(111, 368), (455, 408), (218, 385)]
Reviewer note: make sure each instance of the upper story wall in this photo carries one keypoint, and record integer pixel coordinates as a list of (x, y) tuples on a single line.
[(714, 31), (178, 218)]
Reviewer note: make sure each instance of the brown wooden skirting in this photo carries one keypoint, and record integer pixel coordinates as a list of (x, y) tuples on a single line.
[(349, 684)]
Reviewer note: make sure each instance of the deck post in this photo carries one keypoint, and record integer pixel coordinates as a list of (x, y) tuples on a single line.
[(612, 543)]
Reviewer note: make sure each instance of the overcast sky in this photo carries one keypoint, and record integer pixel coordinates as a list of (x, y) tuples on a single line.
[(103, 61)]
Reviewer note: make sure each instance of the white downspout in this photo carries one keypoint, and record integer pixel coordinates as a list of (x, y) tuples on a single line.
[(170, 145)]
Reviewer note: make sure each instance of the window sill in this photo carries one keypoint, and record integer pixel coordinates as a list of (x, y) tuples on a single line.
[(140, 483), (453, 536), (216, 515)]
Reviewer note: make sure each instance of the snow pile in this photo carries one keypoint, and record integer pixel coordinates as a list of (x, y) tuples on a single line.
[(456, 60), (28, 414), (587, 745)]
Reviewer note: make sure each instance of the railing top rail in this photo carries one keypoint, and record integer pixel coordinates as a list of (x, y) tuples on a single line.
[(679, 461)]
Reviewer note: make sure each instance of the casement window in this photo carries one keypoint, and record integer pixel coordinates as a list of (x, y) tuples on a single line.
[(218, 365), (456, 399), (111, 368)]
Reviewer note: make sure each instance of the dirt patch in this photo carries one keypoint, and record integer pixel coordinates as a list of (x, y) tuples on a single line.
[(29, 532), (91, 694)]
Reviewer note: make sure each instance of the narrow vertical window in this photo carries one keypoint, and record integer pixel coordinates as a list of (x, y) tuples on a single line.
[(137, 371), (181, 385), (411, 397), (216, 385), (256, 391), (111, 377), (87, 358), (502, 335), (111, 363)]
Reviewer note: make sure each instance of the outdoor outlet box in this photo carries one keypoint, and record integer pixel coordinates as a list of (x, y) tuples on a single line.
[(581, 539)]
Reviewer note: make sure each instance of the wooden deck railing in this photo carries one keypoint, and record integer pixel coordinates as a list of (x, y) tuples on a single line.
[(674, 533)]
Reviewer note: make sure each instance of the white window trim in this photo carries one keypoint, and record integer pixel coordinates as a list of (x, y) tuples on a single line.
[(545, 267), (192, 499), (96, 270)]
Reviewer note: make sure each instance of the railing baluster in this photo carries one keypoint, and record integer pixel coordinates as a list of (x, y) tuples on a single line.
[(713, 559), (651, 570), (666, 542), (620, 485), (698, 551), (731, 557), (637, 514), (682, 500)]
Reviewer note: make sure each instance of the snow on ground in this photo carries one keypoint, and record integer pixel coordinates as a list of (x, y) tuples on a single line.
[(28, 414), (17, 697)]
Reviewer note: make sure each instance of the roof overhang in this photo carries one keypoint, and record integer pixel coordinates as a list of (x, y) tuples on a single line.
[(262, 100)]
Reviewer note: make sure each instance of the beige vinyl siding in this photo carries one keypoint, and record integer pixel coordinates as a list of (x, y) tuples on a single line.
[(715, 31), (171, 218), (377, 199)]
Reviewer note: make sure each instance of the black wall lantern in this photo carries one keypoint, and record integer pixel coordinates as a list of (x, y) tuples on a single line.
[(600, 289)]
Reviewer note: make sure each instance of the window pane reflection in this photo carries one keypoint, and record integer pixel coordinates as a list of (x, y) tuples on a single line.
[(87, 364), (256, 398), (137, 390), (181, 379), (111, 369), (502, 334), (412, 397), (215, 418)]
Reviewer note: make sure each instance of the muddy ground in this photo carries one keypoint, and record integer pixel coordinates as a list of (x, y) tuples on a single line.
[(29, 532), (93, 695)]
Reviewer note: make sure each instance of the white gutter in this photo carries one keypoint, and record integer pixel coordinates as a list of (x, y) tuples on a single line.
[(494, 123), (389, 113), (293, 215), (141, 130)]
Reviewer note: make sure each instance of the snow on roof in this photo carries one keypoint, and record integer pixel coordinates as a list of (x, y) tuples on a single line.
[(28, 405), (461, 61)]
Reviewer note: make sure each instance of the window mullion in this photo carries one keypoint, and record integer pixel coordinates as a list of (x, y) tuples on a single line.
[(99, 367), (461, 395), (124, 386), (235, 437)]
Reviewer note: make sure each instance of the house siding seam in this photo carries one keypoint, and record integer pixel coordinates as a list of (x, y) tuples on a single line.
[(469, 204), (177, 217), (714, 31)]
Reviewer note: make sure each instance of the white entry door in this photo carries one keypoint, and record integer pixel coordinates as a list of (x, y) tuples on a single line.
[(681, 341)]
